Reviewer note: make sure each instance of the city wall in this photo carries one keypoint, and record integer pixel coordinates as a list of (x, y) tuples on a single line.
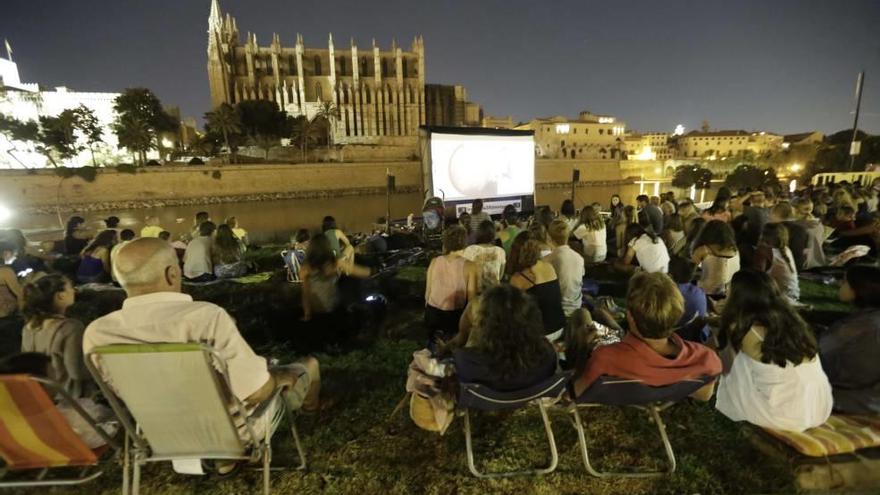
[(37, 190)]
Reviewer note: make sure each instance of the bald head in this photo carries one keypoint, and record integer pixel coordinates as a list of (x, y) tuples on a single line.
[(147, 265)]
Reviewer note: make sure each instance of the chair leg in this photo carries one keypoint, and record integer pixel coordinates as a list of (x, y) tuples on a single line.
[(267, 459), (296, 441), (661, 427), (136, 474), (582, 441), (554, 455), (126, 465)]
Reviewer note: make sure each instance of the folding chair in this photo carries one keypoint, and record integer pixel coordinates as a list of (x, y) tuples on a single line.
[(34, 435), (612, 391), (174, 402), (473, 396)]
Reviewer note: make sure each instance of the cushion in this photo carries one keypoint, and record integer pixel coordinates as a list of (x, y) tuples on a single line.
[(839, 435)]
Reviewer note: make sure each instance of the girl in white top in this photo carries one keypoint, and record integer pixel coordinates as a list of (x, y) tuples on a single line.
[(590, 230), (776, 379), (780, 266), (716, 254), (647, 248), (489, 258)]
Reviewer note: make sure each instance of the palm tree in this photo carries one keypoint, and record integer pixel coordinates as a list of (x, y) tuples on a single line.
[(304, 132), (330, 112), (226, 120)]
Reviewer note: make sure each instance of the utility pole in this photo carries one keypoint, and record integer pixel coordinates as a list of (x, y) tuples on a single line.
[(853, 147)]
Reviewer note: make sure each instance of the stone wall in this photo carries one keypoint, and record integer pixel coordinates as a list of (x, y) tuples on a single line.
[(153, 186)]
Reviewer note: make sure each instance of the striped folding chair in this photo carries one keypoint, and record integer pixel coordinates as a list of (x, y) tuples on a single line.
[(36, 437), (612, 391), (174, 402), (476, 397)]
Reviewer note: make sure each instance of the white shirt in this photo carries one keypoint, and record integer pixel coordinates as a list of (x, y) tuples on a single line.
[(595, 247), (717, 272), (173, 317), (652, 257), (784, 273), (490, 260), (197, 257), (569, 268)]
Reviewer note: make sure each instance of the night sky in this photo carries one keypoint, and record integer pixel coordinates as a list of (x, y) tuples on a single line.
[(785, 66)]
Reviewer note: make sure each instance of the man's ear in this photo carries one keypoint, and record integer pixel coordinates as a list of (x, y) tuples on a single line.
[(172, 275)]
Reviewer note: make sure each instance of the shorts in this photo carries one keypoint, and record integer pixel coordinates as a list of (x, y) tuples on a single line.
[(273, 414)]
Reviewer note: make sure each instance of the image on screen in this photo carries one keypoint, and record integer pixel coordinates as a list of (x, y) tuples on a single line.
[(482, 166)]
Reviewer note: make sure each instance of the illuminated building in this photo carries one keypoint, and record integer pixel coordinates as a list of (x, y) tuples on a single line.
[(722, 144), (28, 101), (589, 136), (647, 146), (448, 105), (497, 122), (379, 93)]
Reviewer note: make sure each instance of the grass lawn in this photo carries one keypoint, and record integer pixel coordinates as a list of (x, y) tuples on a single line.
[(353, 449)]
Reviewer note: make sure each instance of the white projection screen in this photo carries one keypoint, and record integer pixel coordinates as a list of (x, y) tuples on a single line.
[(463, 164)]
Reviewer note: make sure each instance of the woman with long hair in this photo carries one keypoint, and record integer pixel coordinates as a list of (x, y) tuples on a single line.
[(716, 253), (775, 258), (95, 264), (616, 208), (506, 349), (537, 278), (76, 237), (644, 246), (489, 258), (849, 349), (452, 281), (568, 213), (227, 252), (590, 230), (673, 234), (320, 277), (630, 216), (48, 331), (776, 379)]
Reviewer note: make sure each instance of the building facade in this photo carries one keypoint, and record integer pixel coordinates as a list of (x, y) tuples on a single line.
[(497, 122), (723, 144), (647, 146), (378, 93), (29, 102), (589, 136), (448, 105)]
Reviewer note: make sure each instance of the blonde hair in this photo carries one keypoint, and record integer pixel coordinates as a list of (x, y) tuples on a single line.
[(558, 232), (591, 219), (655, 304)]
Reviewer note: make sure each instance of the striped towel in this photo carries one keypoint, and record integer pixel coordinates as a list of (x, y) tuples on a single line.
[(33, 434), (839, 435)]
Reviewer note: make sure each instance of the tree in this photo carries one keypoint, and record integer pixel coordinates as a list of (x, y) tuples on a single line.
[(304, 132), (751, 177), (692, 175), (141, 109), (87, 124), (330, 112), (263, 123), (22, 131), (225, 120)]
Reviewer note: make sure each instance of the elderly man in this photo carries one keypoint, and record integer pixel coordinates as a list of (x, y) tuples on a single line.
[(156, 311)]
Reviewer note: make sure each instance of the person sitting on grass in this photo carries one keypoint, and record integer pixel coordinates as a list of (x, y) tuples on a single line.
[(151, 227), (774, 257), (200, 218), (716, 253), (776, 379), (510, 220), (568, 265), (537, 278), (320, 276), (692, 325), (489, 258), (450, 283), (94, 265), (590, 230), (226, 254), (651, 351), (849, 349), (646, 248), (506, 350), (157, 312), (339, 243), (197, 260), (237, 231)]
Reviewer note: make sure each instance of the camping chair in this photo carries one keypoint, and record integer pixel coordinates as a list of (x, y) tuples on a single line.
[(612, 391), (35, 435), (473, 396), (174, 402), (292, 264)]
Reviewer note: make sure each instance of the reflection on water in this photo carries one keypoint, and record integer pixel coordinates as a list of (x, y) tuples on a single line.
[(277, 220)]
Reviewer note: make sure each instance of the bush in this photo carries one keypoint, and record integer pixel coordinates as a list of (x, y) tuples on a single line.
[(126, 168), (196, 161), (87, 174), (216, 175), (153, 163)]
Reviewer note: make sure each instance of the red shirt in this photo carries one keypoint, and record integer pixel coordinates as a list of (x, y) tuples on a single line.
[(632, 358)]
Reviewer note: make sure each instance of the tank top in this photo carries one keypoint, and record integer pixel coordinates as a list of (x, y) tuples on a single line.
[(718, 271), (548, 295), (448, 287)]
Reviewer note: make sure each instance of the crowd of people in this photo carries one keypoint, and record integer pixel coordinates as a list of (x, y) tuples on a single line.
[(713, 295)]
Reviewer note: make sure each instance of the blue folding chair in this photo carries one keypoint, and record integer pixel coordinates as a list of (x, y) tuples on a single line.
[(612, 391), (476, 397)]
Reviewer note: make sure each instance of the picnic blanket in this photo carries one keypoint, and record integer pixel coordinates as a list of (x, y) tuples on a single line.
[(841, 434)]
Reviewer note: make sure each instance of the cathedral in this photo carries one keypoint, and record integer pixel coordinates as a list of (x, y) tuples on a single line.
[(378, 93)]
